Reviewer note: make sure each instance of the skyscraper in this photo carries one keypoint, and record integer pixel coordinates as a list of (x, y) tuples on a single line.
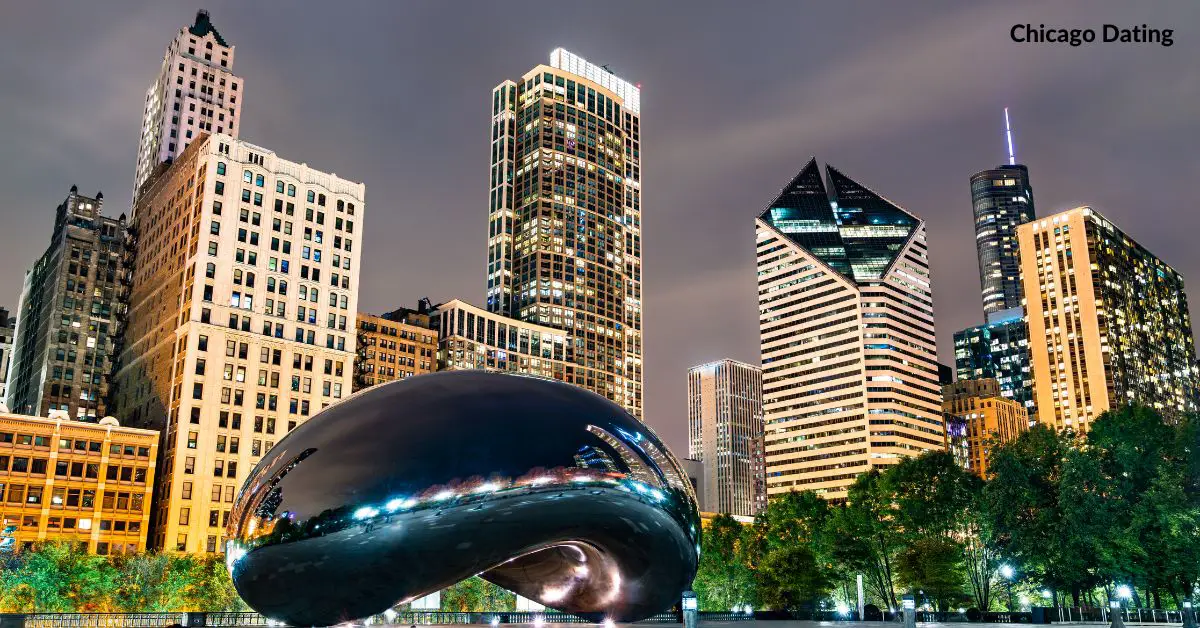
[(1108, 321), (850, 375), (72, 304), (8, 329), (1001, 200), (564, 228), (241, 320), (725, 433), (998, 350), (195, 92)]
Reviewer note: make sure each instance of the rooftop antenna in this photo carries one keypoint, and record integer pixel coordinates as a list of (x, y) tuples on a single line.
[(1012, 160)]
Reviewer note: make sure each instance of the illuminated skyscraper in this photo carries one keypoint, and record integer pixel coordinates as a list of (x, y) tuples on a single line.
[(564, 228), (850, 375), (725, 435), (1001, 199), (1108, 322), (195, 92)]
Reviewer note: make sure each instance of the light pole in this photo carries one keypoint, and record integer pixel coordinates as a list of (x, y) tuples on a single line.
[(1007, 572)]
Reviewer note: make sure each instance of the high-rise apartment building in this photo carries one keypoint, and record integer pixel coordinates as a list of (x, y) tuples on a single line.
[(725, 433), (241, 320), (393, 346), (473, 338), (195, 92), (977, 419), (564, 228), (84, 483), (1001, 200), (8, 329), (1108, 321), (850, 375), (998, 350), (72, 304)]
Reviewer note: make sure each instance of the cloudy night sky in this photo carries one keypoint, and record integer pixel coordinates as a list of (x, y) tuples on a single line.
[(906, 98)]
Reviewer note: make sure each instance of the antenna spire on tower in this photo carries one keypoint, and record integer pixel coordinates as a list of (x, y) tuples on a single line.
[(1012, 160)]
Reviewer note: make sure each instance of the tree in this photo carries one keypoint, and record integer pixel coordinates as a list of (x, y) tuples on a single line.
[(867, 538), (791, 551), (724, 579), (475, 595), (932, 565), (57, 577)]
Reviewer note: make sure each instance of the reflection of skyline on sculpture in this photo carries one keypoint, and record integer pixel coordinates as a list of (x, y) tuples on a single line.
[(542, 488)]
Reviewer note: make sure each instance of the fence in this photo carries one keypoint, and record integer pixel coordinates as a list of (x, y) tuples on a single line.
[(1073, 615), (238, 620)]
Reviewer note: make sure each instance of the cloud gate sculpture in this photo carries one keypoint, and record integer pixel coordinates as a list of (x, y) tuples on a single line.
[(543, 488)]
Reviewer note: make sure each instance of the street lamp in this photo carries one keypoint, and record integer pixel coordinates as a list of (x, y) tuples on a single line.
[(1008, 572), (1124, 592)]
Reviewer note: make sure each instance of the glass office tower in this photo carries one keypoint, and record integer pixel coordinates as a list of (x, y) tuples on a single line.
[(1001, 199)]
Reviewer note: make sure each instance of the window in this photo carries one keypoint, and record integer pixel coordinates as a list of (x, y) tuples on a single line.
[(220, 167)]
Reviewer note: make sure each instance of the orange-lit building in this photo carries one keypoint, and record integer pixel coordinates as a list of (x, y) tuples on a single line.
[(393, 346), (89, 483), (979, 418)]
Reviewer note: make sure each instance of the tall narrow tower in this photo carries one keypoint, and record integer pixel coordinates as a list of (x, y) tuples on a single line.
[(725, 432), (565, 218), (850, 375), (1001, 199), (195, 92)]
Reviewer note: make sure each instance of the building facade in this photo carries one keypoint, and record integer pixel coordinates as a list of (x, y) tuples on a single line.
[(195, 92), (66, 480), (998, 350), (725, 433), (393, 346), (8, 329), (1001, 199), (1108, 322), (850, 375), (564, 228), (241, 320), (473, 338), (72, 305), (977, 419)]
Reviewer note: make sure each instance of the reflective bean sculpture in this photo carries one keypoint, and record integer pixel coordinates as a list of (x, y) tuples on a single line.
[(545, 489)]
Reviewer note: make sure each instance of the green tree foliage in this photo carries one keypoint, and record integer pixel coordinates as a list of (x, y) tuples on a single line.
[(1074, 515), (1122, 504), (477, 595), (791, 552), (868, 537), (724, 579), (932, 569), (59, 577)]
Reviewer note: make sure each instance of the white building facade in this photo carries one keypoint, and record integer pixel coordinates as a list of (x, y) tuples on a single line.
[(195, 92), (241, 320), (850, 377)]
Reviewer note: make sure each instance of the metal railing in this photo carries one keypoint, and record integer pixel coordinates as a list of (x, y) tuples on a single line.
[(405, 618), (1065, 615)]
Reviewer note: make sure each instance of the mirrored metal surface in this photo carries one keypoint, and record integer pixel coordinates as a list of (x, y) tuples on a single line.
[(543, 488)]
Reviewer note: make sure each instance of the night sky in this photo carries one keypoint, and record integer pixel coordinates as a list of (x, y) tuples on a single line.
[(906, 98)]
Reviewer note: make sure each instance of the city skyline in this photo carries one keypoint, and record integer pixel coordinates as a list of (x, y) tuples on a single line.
[(920, 146)]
